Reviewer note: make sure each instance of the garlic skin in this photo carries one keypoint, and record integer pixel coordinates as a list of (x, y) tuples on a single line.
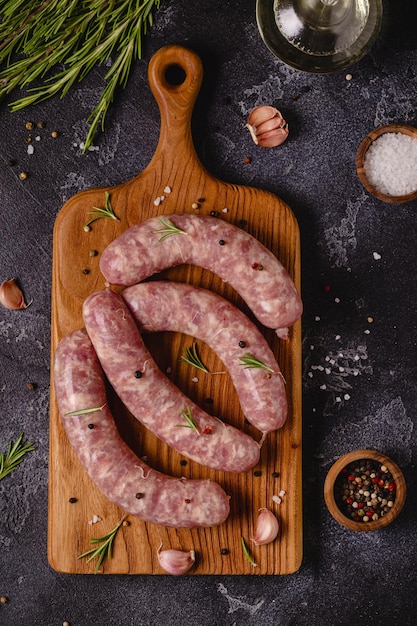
[(267, 126), (11, 296), (266, 528), (176, 562)]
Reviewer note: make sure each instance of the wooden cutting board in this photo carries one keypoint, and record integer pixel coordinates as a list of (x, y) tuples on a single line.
[(76, 274)]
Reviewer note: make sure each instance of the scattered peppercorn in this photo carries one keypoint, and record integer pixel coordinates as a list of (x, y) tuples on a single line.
[(242, 344), (28, 139), (275, 474), (213, 213), (93, 253), (29, 125), (31, 386), (247, 160), (201, 200), (54, 134), (187, 500), (365, 490), (138, 374), (242, 223), (23, 175), (221, 242), (126, 523), (90, 426), (86, 271), (3, 600), (40, 124), (139, 496), (257, 473), (183, 462), (72, 500), (224, 551)]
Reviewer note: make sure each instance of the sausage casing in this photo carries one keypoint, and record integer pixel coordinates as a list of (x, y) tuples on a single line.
[(123, 477)]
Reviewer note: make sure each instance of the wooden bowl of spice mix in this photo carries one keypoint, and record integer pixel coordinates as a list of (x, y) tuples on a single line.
[(364, 490), (386, 163)]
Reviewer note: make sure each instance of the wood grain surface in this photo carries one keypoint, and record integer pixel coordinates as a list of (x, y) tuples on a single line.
[(76, 274)]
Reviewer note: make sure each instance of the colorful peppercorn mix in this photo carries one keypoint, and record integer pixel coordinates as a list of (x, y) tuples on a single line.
[(365, 490)]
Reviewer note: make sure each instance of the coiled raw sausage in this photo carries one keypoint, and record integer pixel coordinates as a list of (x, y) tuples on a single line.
[(124, 478), (152, 398), (200, 313), (209, 242)]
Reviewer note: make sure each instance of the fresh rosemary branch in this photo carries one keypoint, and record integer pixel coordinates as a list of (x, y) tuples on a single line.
[(14, 456), (84, 411), (98, 213), (70, 38), (105, 549), (249, 361), (190, 423), (247, 555), (169, 229), (191, 357)]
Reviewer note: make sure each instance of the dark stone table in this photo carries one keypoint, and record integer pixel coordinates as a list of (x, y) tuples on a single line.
[(359, 326)]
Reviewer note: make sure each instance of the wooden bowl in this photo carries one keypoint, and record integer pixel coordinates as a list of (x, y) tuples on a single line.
[(334, 474), (360, 159)]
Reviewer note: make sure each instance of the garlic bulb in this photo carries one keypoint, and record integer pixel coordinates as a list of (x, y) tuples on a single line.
[(176, 562), (11, 295), (267, 126), (266, 528)]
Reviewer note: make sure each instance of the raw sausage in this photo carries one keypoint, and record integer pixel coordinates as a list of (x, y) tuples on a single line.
[(178, 307), (228, 251), (152, 398), (124, 478)]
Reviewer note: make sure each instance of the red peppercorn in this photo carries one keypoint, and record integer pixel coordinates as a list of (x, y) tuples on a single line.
[(349, 500), (391, 487)]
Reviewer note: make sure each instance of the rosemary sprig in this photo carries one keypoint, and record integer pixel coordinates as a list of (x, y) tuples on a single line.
[(169, 229), (99, 213), (249, 361), (191, 357), (190, 423), (14, 456), (105, 549), (84, 411), (40, 36), (247, 555)]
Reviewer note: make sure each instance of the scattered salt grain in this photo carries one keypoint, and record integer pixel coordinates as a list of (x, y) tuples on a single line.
[(95, 519), (157, 201), (167, 189), (31, 149), (195, 379), (390, 164), (376, 256), (277, 499)]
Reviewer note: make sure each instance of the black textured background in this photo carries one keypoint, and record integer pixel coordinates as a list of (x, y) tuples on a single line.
[(359, 262)]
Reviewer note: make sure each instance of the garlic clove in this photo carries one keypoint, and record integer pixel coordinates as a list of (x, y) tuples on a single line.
[(266, 528), (11, 295), (176, 562), (267, 126)]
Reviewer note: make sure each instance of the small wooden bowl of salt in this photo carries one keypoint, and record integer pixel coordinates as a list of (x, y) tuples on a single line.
[(386, 163)]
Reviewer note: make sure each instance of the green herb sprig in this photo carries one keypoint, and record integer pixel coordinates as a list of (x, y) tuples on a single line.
[(247, 555), (169, 229), (61, 41), (84, 411), (14, 456), (192, 357), (99, 213), (249, 361), (188, 417), (104, 550)]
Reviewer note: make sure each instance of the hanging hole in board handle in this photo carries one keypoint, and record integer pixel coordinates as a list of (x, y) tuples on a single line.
[(175, 75)]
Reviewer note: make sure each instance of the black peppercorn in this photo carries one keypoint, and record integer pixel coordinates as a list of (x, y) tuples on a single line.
[(224, 551), (257, 473), (221, 242), (90, 426), (183, 462), (72, 500), (242, 344), (139, 496), (138, 374)]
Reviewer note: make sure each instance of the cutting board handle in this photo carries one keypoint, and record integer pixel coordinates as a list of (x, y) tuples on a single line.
[(175, 74)]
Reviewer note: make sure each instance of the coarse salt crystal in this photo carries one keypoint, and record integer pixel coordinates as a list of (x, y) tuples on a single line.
[(31, 149), (277, 499), (390, 164)]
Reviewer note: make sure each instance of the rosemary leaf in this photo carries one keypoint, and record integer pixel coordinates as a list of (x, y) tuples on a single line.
[(249, 361), (191, 357), (84, 411), (169, 229), (103, 550), (247, 555), (99, 213), (40, 37), (14, 456), (190, 423)]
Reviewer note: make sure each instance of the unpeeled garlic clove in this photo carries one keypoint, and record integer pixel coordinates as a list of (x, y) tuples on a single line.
[(266, 528), (11, 295), (176, 562), (267, 126)]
